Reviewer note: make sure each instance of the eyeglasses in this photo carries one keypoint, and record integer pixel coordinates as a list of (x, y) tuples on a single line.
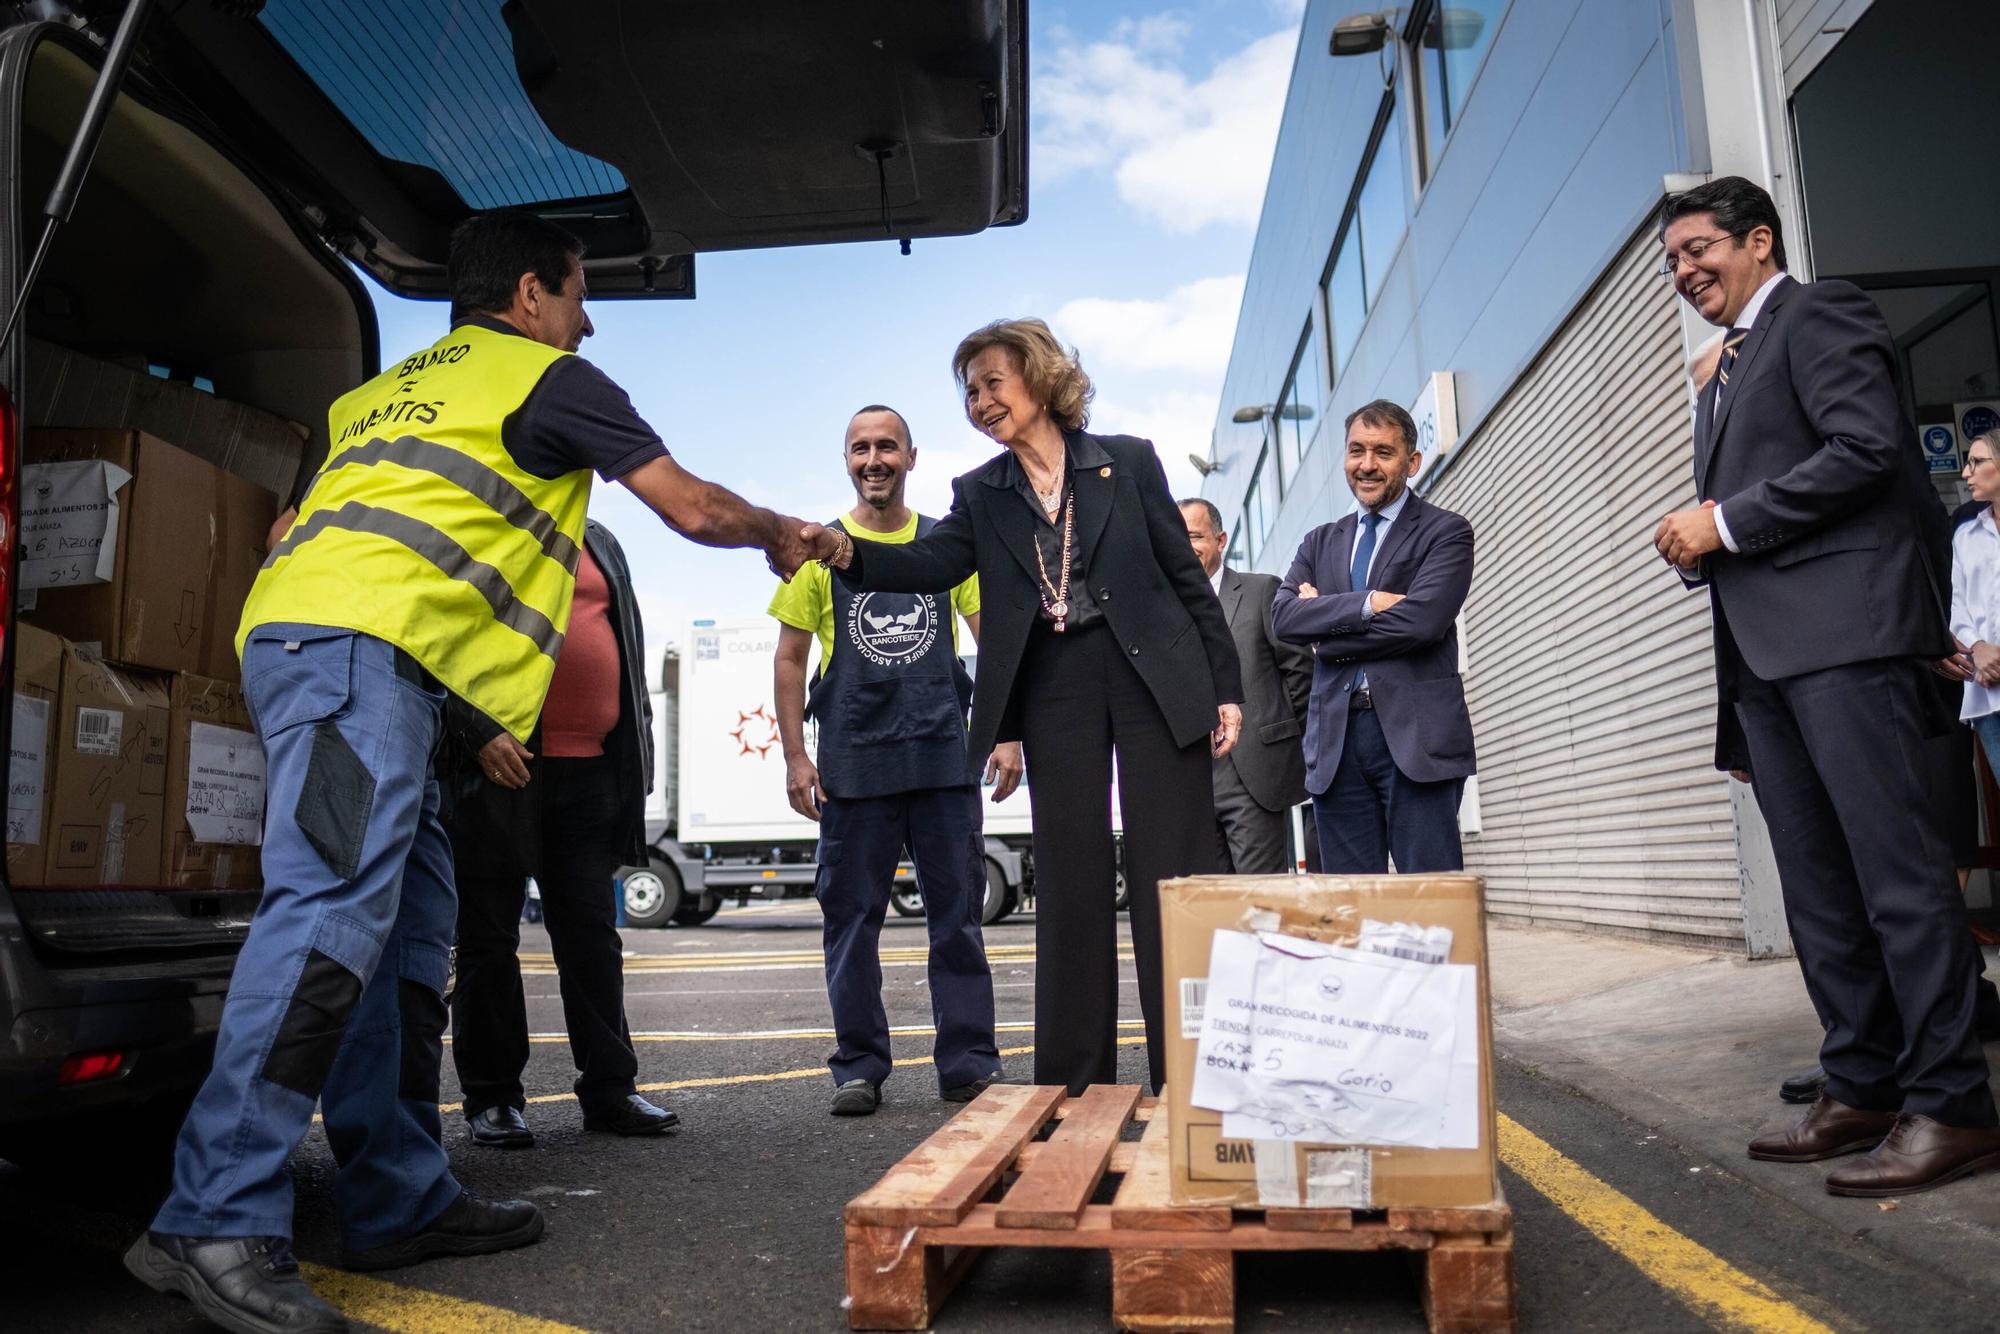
[(1975, 460), (1693, 251)]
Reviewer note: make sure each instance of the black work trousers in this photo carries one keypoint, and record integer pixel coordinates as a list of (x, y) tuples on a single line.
[(489, 1018), (1080, 704)]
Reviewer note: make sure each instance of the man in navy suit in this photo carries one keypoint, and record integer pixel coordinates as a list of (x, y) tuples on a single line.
[(1376, 595), (1819, 541)]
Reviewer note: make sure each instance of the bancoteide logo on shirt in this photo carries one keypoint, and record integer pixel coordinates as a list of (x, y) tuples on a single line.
[(893, 629)]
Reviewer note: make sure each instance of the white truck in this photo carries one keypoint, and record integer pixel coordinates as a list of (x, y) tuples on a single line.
[(718, 822)]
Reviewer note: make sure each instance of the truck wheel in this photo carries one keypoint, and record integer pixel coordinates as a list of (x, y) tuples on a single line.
[(693, 912), (1122, 892), (906, 901), (999, 898), (652, 893)]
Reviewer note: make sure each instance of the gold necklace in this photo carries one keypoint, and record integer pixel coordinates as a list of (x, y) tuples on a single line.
[(1055, 596)]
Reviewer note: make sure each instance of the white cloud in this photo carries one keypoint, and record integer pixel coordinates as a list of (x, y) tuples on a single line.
[(1190, 329), (1177, 421), (1188, 152)]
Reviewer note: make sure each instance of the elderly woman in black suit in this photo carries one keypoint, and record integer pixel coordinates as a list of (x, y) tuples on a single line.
[(1102, 637)]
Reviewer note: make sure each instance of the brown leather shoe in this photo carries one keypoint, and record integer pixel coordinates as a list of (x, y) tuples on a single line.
[(1828, 1129), (1919, 1154)]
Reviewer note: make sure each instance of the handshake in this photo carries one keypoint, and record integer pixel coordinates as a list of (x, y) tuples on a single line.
[(793, 542)]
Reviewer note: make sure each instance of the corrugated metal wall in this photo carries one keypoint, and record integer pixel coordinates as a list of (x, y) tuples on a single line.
[(1809, 29), (1591, 682)]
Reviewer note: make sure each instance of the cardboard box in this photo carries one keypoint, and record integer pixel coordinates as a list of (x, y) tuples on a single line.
[(110, 775), (215, 786), (181, 526), (72, 389), (37, 705), (1209, 1169), (243, 519)]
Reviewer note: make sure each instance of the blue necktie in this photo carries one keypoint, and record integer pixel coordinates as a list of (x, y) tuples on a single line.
[(1364, 551), (1357, 575)]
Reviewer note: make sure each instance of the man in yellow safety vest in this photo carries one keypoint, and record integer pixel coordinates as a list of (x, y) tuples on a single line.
[(433, 554)]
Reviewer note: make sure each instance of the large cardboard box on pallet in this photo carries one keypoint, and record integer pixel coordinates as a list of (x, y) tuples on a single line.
[(214, 809), (110, 775), (1211, 1169), (37, 702)]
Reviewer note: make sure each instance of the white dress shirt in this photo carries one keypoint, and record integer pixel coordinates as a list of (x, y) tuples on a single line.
[(1215, 580), (1746, 319), (1975, 601)]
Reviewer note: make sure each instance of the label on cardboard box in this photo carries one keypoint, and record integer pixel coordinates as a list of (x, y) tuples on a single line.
[(99, 731), (69, 522), (1339, 1178), (27, 770), (1194, 1002), (225, 789)]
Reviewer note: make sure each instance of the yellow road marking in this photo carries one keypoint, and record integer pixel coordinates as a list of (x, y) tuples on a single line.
[(783, 1034), (1719, 1292), (402, 1310)]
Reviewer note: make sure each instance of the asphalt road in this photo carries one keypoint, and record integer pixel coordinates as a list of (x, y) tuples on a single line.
[(734, 1223)]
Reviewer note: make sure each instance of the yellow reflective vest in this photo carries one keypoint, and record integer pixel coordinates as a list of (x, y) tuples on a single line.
[(420, 529)]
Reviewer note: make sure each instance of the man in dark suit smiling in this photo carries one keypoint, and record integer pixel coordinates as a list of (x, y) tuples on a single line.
[(1817, 538), (1377, 595)]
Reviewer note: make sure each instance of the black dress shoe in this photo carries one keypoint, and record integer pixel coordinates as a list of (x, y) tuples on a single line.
[(501, 1128), (633, 1116), (248, 1285), (468, 1226), (1803, 1088)]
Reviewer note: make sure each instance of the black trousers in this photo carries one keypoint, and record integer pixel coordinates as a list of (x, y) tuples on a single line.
[(1080, 704), (1370, 812), (489, 1017), (1838, 759)]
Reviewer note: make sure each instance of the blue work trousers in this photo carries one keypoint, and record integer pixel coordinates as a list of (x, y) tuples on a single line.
[(338, 995), (861, 839)]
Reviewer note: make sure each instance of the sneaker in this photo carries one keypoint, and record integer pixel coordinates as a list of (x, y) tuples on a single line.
[(248, 1285), (468, 1226), (967, 1092), (857, 1097)]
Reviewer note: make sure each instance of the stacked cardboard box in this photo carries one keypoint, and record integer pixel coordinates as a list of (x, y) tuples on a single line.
[(1210, 1168), (186, 539), (214, 810), (108, 792), (38, 667)]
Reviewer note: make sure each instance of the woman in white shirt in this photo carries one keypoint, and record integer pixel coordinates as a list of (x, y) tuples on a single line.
[(1975, 593)]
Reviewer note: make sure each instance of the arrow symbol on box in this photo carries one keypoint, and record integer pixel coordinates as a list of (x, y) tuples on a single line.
[(184, 626)]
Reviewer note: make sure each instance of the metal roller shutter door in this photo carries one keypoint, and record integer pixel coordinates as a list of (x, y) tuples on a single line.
[(1590, 679)]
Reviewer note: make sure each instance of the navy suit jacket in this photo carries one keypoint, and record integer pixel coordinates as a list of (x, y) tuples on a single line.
[(1845, 549), (1410, 650)]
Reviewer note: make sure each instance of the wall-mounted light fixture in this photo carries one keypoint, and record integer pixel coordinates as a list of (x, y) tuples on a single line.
[(1204, 466)]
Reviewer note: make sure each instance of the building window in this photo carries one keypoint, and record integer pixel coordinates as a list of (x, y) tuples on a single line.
[(1256, 518), (1374, 229), (1346, 302), (1451, 39), (1299, 405), (1383, 212)]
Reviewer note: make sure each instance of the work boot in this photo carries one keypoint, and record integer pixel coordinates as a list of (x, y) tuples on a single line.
[(468, 1226), (857, 1097), (247, 1285)]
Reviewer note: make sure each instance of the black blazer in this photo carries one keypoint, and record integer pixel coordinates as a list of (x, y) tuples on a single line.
[(1155, 599), (1277, 686), (495, 830), (1410, 650), (1845, 549)]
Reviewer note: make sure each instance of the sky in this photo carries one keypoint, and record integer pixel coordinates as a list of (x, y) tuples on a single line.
[(1150, 141)]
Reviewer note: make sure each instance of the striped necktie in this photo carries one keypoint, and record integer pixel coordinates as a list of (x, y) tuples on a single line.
[(1727, 361)]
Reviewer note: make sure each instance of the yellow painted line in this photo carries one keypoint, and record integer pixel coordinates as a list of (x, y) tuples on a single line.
[(752, 956), (401, 1310), (769, 963), (1716, 1290)]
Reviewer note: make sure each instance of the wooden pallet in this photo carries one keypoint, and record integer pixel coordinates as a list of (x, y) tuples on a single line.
[(986, 1178)]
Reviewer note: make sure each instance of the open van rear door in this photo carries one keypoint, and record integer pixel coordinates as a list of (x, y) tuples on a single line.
[(651, 129)]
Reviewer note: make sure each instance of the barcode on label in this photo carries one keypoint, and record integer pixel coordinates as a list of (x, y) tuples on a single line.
[(1194, 999), (1420, 956), (99, 731)]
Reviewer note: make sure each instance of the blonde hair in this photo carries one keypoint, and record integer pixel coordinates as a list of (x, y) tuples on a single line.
[(1053, 374)]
